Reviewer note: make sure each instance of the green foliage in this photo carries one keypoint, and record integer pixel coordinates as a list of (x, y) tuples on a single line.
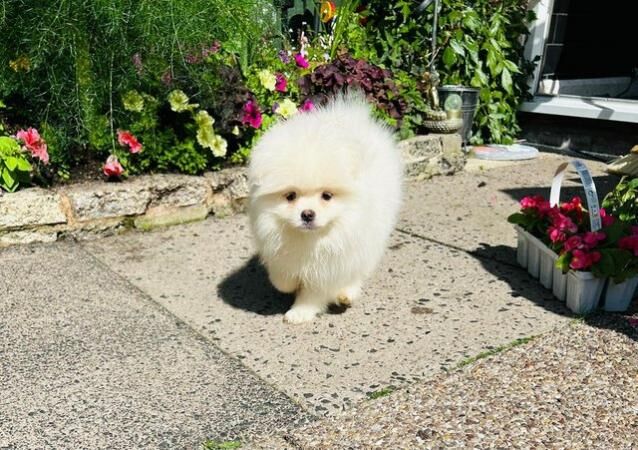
[(65, 62), (483, 48), (622, 202), (494, 351), (15, 169), (221, 445), (532, 222), (380, 393), (479, 45)]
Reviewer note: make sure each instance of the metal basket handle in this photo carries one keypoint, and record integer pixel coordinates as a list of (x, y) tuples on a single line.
[(588, 185)]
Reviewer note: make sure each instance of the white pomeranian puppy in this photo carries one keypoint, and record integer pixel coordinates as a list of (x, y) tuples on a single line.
[(325, 194)]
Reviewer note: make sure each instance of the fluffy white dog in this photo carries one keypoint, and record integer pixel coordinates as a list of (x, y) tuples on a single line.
[(325, 195)]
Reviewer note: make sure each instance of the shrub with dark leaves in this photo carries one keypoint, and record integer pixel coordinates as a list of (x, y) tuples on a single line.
[(347, 72)]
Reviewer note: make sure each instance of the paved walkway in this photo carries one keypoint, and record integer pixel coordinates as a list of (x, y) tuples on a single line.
[(168, 338)]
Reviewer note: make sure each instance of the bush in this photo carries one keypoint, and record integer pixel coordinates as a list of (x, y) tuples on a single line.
[(480, 44), (64, 63), (347, 72)]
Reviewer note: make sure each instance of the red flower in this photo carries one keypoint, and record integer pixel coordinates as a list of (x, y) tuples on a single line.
[(592, 238), (112, 167), (126, 139), (581, 260), (537, 203)]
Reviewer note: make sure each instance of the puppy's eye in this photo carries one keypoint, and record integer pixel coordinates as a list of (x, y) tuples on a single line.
[(327, 196), (291, 196)]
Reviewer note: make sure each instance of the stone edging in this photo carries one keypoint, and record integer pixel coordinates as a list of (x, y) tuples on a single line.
[(85, 210)]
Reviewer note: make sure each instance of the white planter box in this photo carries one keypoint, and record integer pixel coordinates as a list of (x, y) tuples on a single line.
[(583, 291), (618, 296), (559, 284), (546, 267), (534, 248), (523, 245)]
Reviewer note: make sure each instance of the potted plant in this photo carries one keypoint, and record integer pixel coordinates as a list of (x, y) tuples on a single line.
[(622, 202), (574, 256)]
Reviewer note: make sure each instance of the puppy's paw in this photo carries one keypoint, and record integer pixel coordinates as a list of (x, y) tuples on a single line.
[(344, 300), (301, 314), (348, 295)]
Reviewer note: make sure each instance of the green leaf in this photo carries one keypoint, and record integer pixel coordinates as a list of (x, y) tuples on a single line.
[(8, 145), (449, 57), (24, 165), (9, 183), (506, 80), (471, 20), (509, 65), (457, 47), (11, 162), (563, 262), (492, 62)]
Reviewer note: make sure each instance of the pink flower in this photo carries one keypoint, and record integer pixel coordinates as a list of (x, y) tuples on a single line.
[(301, 61), (633, 321), (112, 167), (252, 114), (281, 83), (530, 202), (307, 105), (563, 223), (572, 243), (126, 139), (592, 238), (556, 235), (629, 243), (581, 260), (606, 218), (34, 143)]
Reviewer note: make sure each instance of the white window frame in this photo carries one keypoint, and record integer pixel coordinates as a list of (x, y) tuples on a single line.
[(604, 108)]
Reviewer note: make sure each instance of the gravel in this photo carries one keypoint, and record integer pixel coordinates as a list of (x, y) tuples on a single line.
[(575, 387)]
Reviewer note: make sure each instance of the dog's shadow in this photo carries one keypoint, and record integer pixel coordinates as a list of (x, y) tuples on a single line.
[(249, 289)]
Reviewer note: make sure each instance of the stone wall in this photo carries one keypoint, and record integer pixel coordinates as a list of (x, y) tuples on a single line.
[(86, 210)]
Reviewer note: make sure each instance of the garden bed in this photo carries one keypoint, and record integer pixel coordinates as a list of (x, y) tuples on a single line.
[(96, 208)]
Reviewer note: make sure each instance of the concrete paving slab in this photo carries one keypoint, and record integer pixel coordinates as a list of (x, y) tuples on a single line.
[(429, 306), (88, 361), (470, 209)]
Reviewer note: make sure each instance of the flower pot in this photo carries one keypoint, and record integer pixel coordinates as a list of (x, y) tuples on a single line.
[(534, 248), (469, 97), (559, 284), (546, 266), (583, 291), (618, 296), (521, 248)]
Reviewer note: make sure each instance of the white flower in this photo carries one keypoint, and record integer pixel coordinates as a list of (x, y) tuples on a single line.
[(267, 79), (179, 101), (219, 146), (287, 108)]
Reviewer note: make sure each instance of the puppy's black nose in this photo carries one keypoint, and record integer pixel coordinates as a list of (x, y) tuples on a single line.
[(307, 215)]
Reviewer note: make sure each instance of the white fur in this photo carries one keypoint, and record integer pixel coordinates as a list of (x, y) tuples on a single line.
[(338, 149)]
